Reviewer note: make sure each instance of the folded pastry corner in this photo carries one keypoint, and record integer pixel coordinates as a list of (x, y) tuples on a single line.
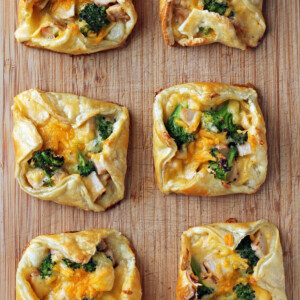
[(235, 23), (75, 27), (231, 261), (209, 139), (91, 264), (71, 150)]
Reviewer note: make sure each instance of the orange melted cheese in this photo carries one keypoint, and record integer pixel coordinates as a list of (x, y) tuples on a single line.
[(57, 136), (65, 282)]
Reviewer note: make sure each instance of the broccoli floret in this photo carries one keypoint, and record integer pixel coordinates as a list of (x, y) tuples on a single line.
[(84, 167), (177, 132), (205, 30), (95, 18), (244, 292), (245, 251), (104, 127), (222, 121), (71, 264), (203, 291), (48, 161), (218, 7), (233, 154), (46, 267), (90, 266)]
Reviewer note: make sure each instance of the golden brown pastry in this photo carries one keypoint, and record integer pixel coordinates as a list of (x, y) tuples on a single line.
[(235, 23), (75, 26), (71, 150), (93, 264), (209, 139), (236, 261)]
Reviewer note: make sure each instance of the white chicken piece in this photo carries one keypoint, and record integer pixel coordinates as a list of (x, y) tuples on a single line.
[(116, 12), (191, 118), (49, 32), (36, 177), (65, 9), (104, 2), (58, 176), (97, 159), (244, 149), (94, 185), (259, 245), (38, 283)]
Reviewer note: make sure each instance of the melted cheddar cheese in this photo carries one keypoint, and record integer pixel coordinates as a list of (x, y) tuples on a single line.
[(193, 158), (65, 140), (64, 282), (222, 268)]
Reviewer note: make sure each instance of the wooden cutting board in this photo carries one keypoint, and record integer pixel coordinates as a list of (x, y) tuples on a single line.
[(131, 76)]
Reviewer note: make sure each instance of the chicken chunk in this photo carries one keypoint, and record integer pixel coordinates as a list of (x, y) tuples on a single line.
[(104, 2), (94, 185), (116, 12)]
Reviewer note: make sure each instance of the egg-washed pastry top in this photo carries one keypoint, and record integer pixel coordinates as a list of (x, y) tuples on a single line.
[(69, 149), (235, 23), (75, 26), (209, 139), (94, 264), (232, 261)]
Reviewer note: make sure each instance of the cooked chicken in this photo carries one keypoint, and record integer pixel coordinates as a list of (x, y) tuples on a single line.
[(104, 2), (49, 32), (97, 159), (191, 118), (94, 185), (36, 177), (244, 149), (116, 12), (259, 245)]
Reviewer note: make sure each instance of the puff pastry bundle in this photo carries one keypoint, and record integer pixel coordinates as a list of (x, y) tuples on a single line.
[(92, 264), (209, 139), (231, 261), (71, 150), (235, 23), (75, 26)]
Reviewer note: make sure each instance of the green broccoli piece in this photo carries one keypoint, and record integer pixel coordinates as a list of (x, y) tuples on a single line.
[(90, 266), (244, 292), (203, 291), (233, 154), (48, 161), (46, 267), (245, 251), (84, 167), (71, 264), (177, 132), (215, 6), (104, 127), (95, 18), (222, 121), (205, 30)]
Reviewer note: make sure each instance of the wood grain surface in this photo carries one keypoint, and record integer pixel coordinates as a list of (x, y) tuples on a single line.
[(130, 76)]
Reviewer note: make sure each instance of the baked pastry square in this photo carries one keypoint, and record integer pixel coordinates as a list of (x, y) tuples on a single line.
[(92, 264), (241, 261), (234, 23), (209, 139), (71, 150), (75, 27)]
